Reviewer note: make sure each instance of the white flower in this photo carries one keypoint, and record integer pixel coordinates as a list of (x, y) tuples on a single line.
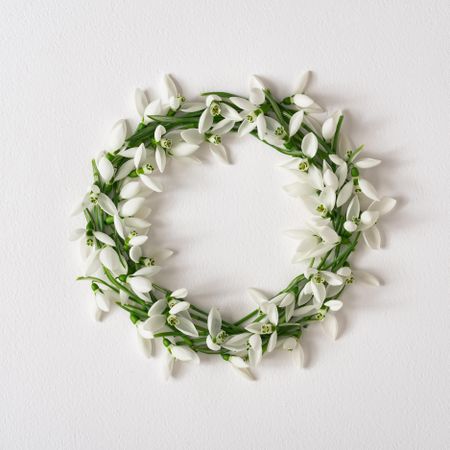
[(181, 353), (213, 138), (316, 283), (116, 136), (292, 345), (315, 240), (179, 316), (252, 114), (216, 336), (156, 320), (254, 350), (140, 101), (145, 344), (171, 94), (367, 220), (241, 367), (216, 108), (330, 326)]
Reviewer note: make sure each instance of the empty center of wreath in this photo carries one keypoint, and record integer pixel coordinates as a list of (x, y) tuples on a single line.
[(225, 225)]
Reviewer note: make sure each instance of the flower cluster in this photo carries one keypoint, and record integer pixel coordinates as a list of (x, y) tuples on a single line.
[(329, 178)]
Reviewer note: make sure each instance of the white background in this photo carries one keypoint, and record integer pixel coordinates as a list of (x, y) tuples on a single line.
[(67, 73)]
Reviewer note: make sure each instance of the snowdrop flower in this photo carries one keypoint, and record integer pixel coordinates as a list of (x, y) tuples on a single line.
[(212, 137), (116, 136), (216, 335), (304, 103), (252, 113), (268, 325), (89, 199), (172, 94), (275, 133), (254, 350), (145, 344), (156, 320), (86, 241), (165, 143), (316, 283), (237, 343), (350, 156), (350, 276), (137, 166), (140, 101), (179, 316), (292, 345), (216, 108), (102, 301), (367, 220), (241, 367), (181, 353), (330, 325), (315, 240)]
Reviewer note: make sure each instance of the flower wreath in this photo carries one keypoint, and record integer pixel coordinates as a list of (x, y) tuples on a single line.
[(327, 169)]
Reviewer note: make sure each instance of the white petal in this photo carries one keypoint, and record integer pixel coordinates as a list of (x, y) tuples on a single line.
[(130, 190), (105, 168), (256, 96), (303, 101), (131, 207), (110, 259), (238, 362), (310, 145), (169, 87), (135, 254), (205, 121), (295, 122), (192, 136), (118, 226), (329, 127), (212, 345), (140, 284), (345, 193), (319, 292), (229, 113), (384, 206), (160, 131), (334, 305), (140, 156), (169, 362), (261, 125), (124, 170), (152, 184), (192, 106), (180, 306), (179, 293), (223, 127), (367, 163), (138, 240), (103, 237), (246, 373), (147, 271), (302, 82), (102, 301), (117, 136), (158, 307), (107, 204), (214, 322), (367, 189), (183, 149), (219, 151), (154, 323), (272, 341), (246, 127), (154, 108), (140, 100), (330, 326), (187, 327), (242, 103), (372, 238), (236, 343)]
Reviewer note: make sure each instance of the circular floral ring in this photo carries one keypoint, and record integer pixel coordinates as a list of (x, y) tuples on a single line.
[(344, 206)]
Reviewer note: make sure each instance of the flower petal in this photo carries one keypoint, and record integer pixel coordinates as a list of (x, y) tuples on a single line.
[(140, 100), (106, 204), (214, 322), (103, 237), (105, 168), (117, 136), (152, 184), (310, 145), (295, 122), (330, 326), (186, 326)]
